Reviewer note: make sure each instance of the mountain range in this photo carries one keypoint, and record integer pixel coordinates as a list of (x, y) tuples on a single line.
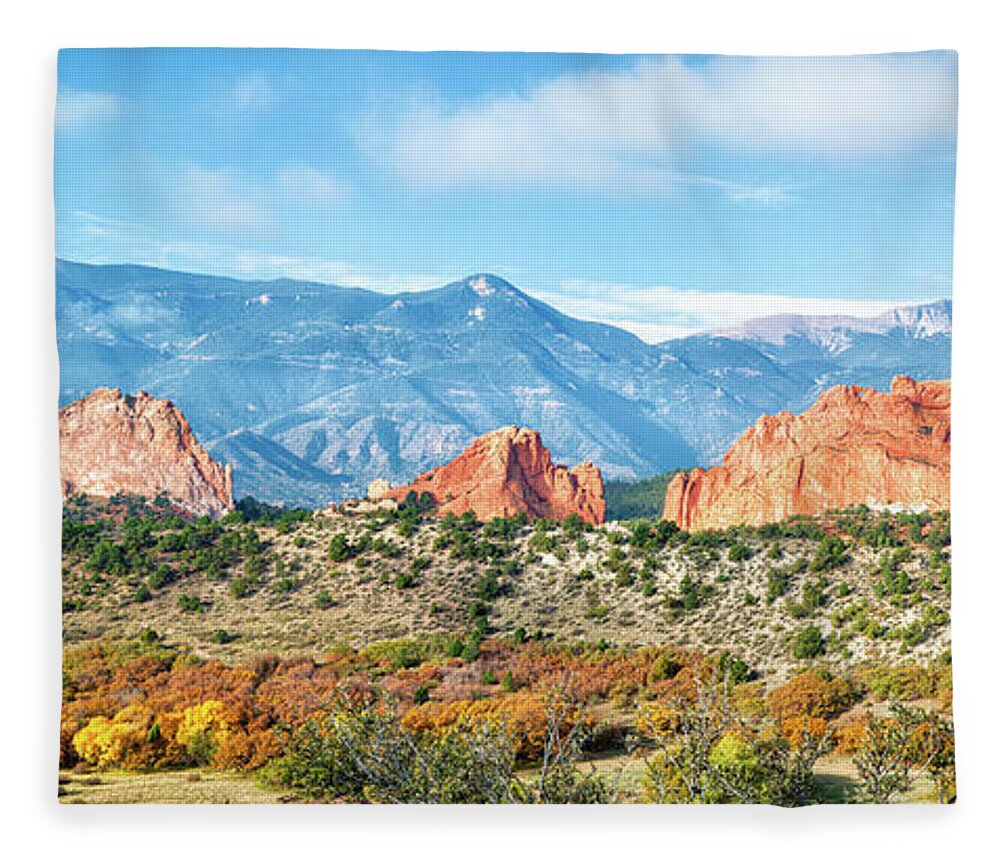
[(310, 391)]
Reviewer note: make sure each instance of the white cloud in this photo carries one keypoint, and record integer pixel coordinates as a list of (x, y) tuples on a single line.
[(231, 200), (91, 238), (223, 199), (77, 110), (252, 93), (832, 107), (224, 202), (658, 313), (254, 265), (307, 185), (99, 227), (635, 129)]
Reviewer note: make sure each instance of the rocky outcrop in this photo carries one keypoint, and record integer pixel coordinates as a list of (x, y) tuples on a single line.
[(506, 472), (111, 443), (378, 489), (853, 446)]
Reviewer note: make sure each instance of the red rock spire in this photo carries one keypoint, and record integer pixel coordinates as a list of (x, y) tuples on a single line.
[(113, 443), (509, 471), (853, 446)]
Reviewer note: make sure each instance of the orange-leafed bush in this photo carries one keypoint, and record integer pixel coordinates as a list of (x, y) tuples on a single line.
[(812, 695), (850, 733), (526, 715), (798, 729), (584, 675), (241, 750)]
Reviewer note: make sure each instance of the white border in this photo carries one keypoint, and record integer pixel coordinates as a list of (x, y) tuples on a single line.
[(29, 683)]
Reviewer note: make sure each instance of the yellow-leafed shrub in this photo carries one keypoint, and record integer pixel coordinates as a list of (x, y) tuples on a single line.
[(105, 742)]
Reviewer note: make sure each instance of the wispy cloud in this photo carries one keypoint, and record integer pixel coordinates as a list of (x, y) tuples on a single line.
[(251, 264), (79, 110), (91, 238), (635, 129), (658, 313), (98, 227), (224, 202), (231, 201), (301, 184), (771, 194), (252, 93)]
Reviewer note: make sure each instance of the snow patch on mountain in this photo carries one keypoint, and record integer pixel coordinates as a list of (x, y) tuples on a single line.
[(834, 332), (481, 287)]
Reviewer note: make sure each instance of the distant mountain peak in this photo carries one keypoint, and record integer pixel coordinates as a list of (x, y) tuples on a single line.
[(481, 286), (833, 331), (920, 320), (484, 285)]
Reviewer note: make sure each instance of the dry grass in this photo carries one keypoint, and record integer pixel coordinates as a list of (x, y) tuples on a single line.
[(569, 593), (165, 787), (836, 779)]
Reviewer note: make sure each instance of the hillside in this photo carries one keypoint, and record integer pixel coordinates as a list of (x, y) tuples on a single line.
[(783, 597), (632, 500)]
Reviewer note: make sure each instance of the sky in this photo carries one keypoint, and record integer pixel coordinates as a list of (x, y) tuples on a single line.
[(662, 194)]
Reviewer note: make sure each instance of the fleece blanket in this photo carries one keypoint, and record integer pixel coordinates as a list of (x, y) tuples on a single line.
[(505, 428)]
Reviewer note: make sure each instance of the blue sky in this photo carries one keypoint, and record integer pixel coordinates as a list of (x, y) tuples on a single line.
[(662, 194)]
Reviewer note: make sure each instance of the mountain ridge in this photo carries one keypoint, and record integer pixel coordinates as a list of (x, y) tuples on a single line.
[(362, 385), (925, 320)]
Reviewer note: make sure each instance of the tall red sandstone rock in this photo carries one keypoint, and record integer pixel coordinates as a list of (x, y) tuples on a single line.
[(853, 446), (112, 443), (508, 471)]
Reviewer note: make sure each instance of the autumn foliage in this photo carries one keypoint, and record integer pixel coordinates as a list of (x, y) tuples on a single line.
[(148, 705), (525, 714)]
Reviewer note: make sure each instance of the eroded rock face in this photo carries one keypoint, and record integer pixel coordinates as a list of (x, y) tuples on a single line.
[(853, 446), (509, 471), (113, 443)]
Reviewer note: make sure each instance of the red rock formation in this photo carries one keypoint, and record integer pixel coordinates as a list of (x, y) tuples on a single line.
[(853, 446), (112, 443), (508, 471)]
